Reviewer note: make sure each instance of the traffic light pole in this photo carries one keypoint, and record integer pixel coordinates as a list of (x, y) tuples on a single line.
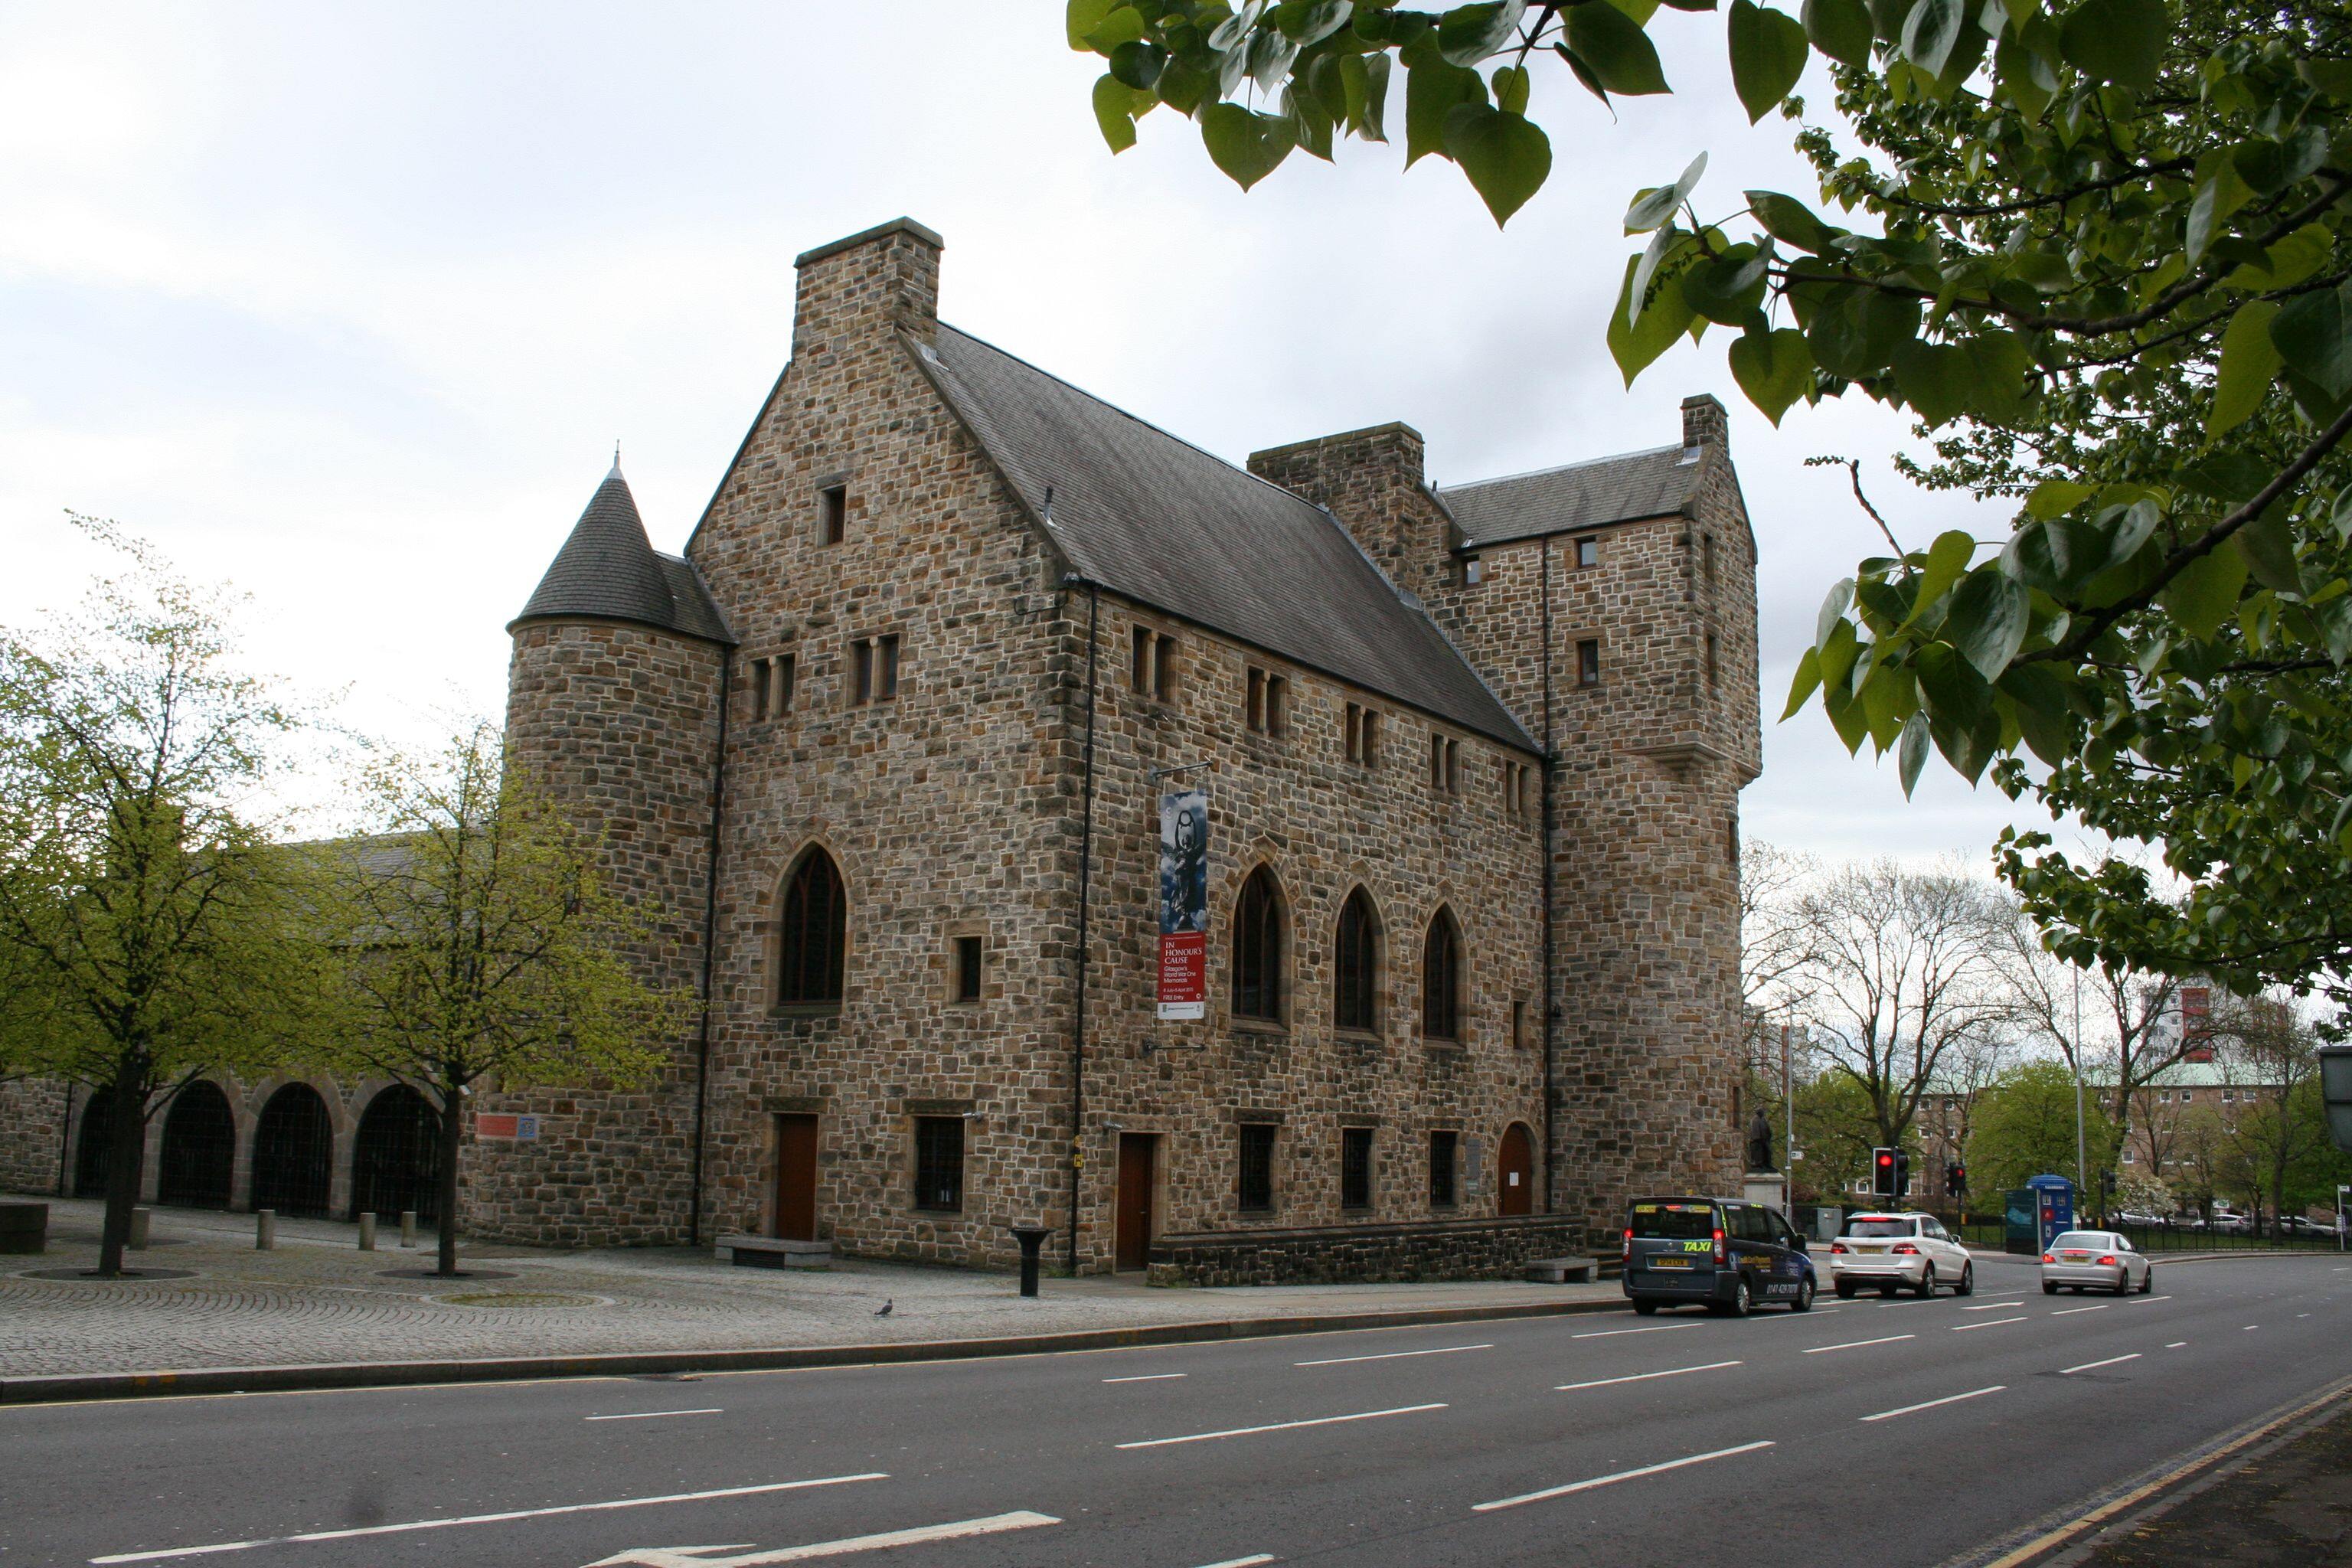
[(1788, 1126)]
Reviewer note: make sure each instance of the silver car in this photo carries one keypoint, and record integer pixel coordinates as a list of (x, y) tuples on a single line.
[(2095, 1259)]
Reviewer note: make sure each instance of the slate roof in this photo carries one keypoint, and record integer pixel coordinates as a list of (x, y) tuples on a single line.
[(609, 571), (1161, 521), (1621, 488)]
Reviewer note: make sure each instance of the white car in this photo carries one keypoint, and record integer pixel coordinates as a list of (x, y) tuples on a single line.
[(1887, 1252), (2088, 1260)]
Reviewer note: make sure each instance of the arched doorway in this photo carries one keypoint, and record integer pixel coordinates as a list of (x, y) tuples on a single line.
[(1515, 1172), (199, 1151), (90, 1149), (393, 1163), (293, 1153)]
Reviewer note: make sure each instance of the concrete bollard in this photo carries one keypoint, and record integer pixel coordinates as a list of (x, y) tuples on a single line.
[(367, 1233), (408, 1227), (265, 1230), (140, 1220)]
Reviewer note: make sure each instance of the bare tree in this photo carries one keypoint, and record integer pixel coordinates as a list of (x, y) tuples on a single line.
[(1774, 942), (2271, 1051)]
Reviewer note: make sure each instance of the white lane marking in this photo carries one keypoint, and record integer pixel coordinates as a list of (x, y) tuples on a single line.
[(2249, 1328), (489, 1518), (655, 1414), (1611, 1481), (1857, 1345), (2071, 1310), (1389, 1355), (957, 1529), (1930, 1405), (1147, 1377), (2177, 1344), (1277, 1427), (2303, 1314), (1987, 1323), (2093, 1365), (1241, 1562), (1994, 1307), (1612, 1334), (2146, 1300), (1645, 1376)]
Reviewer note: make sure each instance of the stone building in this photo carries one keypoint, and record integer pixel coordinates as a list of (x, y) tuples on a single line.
[(886, 749)]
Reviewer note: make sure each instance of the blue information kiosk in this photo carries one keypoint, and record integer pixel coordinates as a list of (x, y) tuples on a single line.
[(2035, 1213)]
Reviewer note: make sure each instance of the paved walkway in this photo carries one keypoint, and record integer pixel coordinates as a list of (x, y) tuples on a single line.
[(318, 1298)]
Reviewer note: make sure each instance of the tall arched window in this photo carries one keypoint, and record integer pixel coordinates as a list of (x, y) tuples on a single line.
[(1356, 965), (1441, 979), (814, 927), (1258, 949)]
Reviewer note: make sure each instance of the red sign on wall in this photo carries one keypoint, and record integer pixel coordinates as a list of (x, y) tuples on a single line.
[(1183, 973), (1184, 905)]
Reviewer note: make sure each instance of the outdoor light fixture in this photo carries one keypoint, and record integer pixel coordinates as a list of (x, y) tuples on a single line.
[(2335, 1088)]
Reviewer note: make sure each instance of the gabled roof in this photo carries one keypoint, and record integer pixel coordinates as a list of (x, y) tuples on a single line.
[(609, 571), (1163, 523), (1623, 489)]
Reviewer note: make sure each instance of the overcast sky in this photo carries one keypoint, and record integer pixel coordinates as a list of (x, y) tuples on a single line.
[(347, 305)]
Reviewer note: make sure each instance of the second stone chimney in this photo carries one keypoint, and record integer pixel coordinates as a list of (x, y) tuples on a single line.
[(1705, 424), (857, 293), (1372, 481)]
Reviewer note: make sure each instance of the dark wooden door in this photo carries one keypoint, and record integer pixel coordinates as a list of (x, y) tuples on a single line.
[(1134, 1203), (796, 1177), (1514, 1173)]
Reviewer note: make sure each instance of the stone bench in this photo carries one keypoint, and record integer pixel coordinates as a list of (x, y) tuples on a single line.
[(773, 1252), (24, 1227), (1563, 1270)]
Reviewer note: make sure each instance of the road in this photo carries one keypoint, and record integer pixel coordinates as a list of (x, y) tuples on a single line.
[(1600, 1439)]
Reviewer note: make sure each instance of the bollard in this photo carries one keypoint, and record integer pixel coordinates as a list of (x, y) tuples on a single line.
[(1030, 1237), (139, 1222), (367, 1233), (408, 1227), (265, 1229)]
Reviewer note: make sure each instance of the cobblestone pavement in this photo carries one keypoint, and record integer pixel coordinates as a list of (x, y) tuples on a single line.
[(317, 1298)]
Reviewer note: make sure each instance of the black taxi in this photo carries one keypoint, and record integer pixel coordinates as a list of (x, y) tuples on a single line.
[(1724, 1254)]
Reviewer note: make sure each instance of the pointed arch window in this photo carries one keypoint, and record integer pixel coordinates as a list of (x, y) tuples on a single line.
[(1441, 979), (814, 927), (1258, 949), (1355, 967)]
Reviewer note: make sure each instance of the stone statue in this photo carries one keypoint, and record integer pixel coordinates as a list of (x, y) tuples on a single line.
[(1760, 1144)]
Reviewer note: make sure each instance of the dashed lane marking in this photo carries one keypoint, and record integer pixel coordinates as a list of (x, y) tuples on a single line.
[(1612, 1479), (1241, 1562), (1987, 1323), (452, 1522), (1645, 1376), (698, 1556), (655, 1414), (1147, 1377), (2177, 1344), (1857, 1345), (1931, 1404), (2146, 1300), (1653, 1329), (2095, 1366), (2071, 1310), (1277, 1427), (1389, 1355)]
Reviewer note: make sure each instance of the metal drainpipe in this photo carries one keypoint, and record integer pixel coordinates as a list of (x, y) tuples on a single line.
[(1085, 885), (1550, 1008), (710, 955)]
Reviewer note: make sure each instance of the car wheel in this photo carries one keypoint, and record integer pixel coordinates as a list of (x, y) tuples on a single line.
[(2123, 1285), (2147, 1282), (2048, 1288), (1845, 1290), (1968, 1285), (1886, 1292), (1645, 1308), (1804, 1301), (1742, 1303), (1926, 1286)]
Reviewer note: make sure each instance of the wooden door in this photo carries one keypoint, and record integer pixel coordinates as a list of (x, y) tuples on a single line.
[(796, 1178), (1133, 1238), (1514, 1173)]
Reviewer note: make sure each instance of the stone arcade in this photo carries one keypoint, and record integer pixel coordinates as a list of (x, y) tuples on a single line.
[(1461, 1002)]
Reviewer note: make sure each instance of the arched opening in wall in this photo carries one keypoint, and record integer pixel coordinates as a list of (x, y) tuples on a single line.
[(293, 1153), (1355, 967), (813, 933), (1515, 1172), (199, 1152), (396, 1159), (1441, 979), (1258, 949), (91, 1147)]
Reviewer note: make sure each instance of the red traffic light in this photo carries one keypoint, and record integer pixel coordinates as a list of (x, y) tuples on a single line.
[(1885, 1157)]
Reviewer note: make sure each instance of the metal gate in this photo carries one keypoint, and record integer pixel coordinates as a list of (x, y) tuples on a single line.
[(394, 1163), (293, 1153), (199, 1154)]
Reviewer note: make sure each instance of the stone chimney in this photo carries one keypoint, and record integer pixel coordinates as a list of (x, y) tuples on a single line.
[(1372, 481), (1705, 424), (854, 293)]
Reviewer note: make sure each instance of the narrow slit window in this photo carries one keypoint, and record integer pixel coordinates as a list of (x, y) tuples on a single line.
[(1443, 1148), (1256, 702), (967, 968), (861, 661), (1588, 552), (1588, 662), (1163, 667), (759, 689), (780, 683), (885, 668), (1139, 676), (1372, 738), (939, 1163), (1714, 664), (832, 513), (1474, 571), (1254, 1176), (1277, 704), (1355, 1167)]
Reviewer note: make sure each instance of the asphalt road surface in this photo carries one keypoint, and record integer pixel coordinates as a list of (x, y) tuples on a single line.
[(1862, 1433)]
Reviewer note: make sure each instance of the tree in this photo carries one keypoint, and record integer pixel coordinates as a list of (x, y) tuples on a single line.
[(481, 944), (1835, 1132), (150, 931), (2272, 1052), (1773, 948), (2025, 1127), (2099, 252)]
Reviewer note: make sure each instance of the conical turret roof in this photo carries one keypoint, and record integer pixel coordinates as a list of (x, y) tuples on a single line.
[(609, 571)]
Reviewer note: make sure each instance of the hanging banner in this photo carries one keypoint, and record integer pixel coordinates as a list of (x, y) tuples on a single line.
[(1184, 904)]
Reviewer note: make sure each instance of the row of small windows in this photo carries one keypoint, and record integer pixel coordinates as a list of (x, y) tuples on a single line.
[(874, 677), (1585, 552)]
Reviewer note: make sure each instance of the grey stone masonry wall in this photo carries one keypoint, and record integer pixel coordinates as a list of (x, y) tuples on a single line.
[(1372, 480), (32, 1133), (1455, 1249)]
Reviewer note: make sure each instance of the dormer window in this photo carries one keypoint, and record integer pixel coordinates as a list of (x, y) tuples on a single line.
[(832, 513)]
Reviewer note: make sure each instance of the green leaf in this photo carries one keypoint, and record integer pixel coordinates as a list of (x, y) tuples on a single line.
[(1774, 369), (1667, 242), (1613, 46), (1990, 612), (1930, 31), (1637, 339), (1246, 146), (2024, 75), (2333, 78), (1946, 559), (2038, 699), (1936, 379), (1432, 91), (2268, 544), (2220, 193), (2121, 41), (1469, 34), (1960, 716), (2204, 592), (1839, 29), (2250, 362), (1365, 79), (1654, 206), (1807, 681), (2056, 497), (1511, 85), (1767, 56), (2313, 334), (1121, 25), (1831, 613), (1787, 219), (1728, 287), (1114, 111), (1914, 751), (1505, 155), (1081, 17)]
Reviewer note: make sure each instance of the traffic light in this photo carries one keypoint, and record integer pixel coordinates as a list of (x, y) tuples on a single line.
[(1882, 1173), (1901, 1172), (1956, 1180)]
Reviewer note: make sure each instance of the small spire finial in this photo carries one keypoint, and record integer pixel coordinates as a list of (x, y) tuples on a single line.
[(616, 459)]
